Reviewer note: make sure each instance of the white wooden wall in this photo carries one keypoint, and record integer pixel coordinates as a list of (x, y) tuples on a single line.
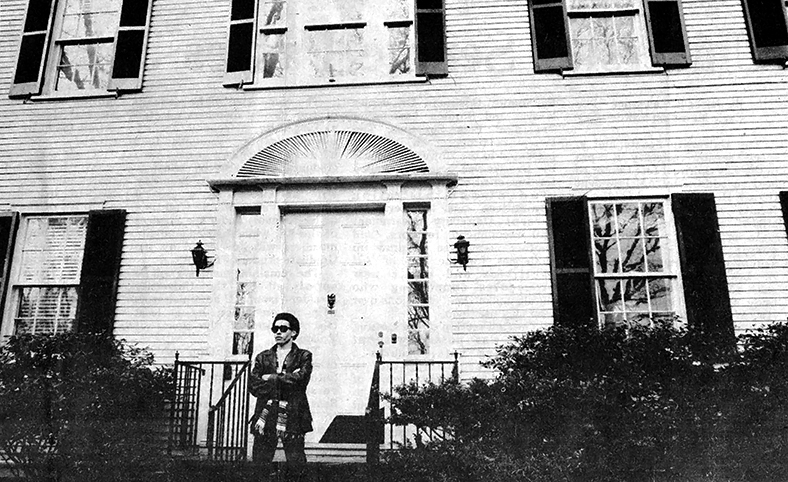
[(513, 137)]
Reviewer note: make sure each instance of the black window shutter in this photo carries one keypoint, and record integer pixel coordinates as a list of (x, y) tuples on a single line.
[(570, 261), (9, 222), (550, 35), (703, 268), (768, 29), (784, 206), (431, 38), (240, 42), (29, 74), (100, 268), (667, 33), (130, 45)]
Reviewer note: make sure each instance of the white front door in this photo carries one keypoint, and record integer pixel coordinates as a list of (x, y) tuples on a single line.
[(345, 259)]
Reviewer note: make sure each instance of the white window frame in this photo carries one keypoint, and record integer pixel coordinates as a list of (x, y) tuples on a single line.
[(671, 267), (17, 284), (376, 29), (637, 11)]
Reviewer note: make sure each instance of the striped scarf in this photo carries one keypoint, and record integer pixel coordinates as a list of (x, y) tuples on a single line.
[(276, 415)]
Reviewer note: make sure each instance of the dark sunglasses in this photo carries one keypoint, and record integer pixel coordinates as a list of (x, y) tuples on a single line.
[(280, 328)]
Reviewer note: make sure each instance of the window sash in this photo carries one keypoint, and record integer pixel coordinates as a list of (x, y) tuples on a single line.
[(633, 292), (287, 47)]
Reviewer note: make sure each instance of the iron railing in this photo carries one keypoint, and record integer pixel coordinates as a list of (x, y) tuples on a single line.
[(200, 385), (228, 431), (386, 376)]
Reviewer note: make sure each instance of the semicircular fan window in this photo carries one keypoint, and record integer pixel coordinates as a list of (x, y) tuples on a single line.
[(333, 153)]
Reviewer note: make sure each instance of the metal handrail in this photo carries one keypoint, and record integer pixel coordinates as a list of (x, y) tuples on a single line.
[(227, 434), (196, 381), (375, 420)]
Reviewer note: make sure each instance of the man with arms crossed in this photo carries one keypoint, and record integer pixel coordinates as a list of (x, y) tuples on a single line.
[(279, 379)]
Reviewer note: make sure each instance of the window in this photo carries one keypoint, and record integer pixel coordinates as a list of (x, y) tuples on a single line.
[(768, 29), (418, 282), (607, 35), (308, 42), (246, 279), (82, 47), (636, 261), (63, 273), (46, 289)]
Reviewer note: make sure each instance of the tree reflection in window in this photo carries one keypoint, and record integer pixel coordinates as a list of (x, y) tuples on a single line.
[(634, 276), (418, 282)]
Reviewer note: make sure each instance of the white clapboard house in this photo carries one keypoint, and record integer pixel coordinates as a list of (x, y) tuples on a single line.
[(608, 161)]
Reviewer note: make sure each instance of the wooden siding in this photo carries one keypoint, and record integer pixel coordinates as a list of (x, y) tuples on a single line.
[(514, 138)]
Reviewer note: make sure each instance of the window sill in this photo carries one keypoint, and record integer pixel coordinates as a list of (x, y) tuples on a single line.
[(634, 70), (408, 80), (73, 96)]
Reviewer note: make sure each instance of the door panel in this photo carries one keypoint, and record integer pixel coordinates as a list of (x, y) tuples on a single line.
[(347, 255)]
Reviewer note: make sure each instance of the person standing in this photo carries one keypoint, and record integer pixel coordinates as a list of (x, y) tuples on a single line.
[(279, 380)]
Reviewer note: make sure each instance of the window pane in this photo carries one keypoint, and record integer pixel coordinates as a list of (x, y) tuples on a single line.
[(244, 294), (606, 255), (336, 53), (417, 268), (417, 244), (600, 4), (399, 9), (600, 42), (273, 51), (46, 310), (243, 343), (90, 18), (399, 50), (603, 217), (84, 67), (244, 318), (635, 295), (331, 11), (654, 254), (609, 295), (660, 293), (273, 14), (416, 220), (418, 342), (418, 293), (632, 254), (628, 219), (52, 252), (418, 317), (654, 219)]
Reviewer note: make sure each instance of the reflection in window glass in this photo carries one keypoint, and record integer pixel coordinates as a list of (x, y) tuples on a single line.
[(247, 268), (399, 50), (418, 281), (607, 35), (273, 52), (635, 281), (85, 62)]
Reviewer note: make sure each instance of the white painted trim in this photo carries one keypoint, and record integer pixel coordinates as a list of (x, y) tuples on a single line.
[(421, 147)]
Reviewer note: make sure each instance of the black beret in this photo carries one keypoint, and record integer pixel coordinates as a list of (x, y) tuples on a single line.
[(294, 324)]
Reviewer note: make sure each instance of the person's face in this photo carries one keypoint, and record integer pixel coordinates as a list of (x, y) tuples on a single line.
[(282, 335)]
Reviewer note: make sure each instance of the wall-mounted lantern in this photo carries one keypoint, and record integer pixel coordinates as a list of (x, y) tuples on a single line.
[(200, 258), (462, 251)]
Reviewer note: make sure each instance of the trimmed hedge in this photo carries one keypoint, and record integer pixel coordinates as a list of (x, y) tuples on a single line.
[(80, 407), (585, 404)]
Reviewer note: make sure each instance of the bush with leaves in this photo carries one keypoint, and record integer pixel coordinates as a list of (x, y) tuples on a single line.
[(80, 407), (585, 404)]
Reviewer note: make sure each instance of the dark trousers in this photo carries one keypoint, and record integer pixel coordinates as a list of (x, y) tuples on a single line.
[(265, 446)]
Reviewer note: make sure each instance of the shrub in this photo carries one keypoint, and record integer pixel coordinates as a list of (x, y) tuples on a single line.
[(80, 407), (586, 404)]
